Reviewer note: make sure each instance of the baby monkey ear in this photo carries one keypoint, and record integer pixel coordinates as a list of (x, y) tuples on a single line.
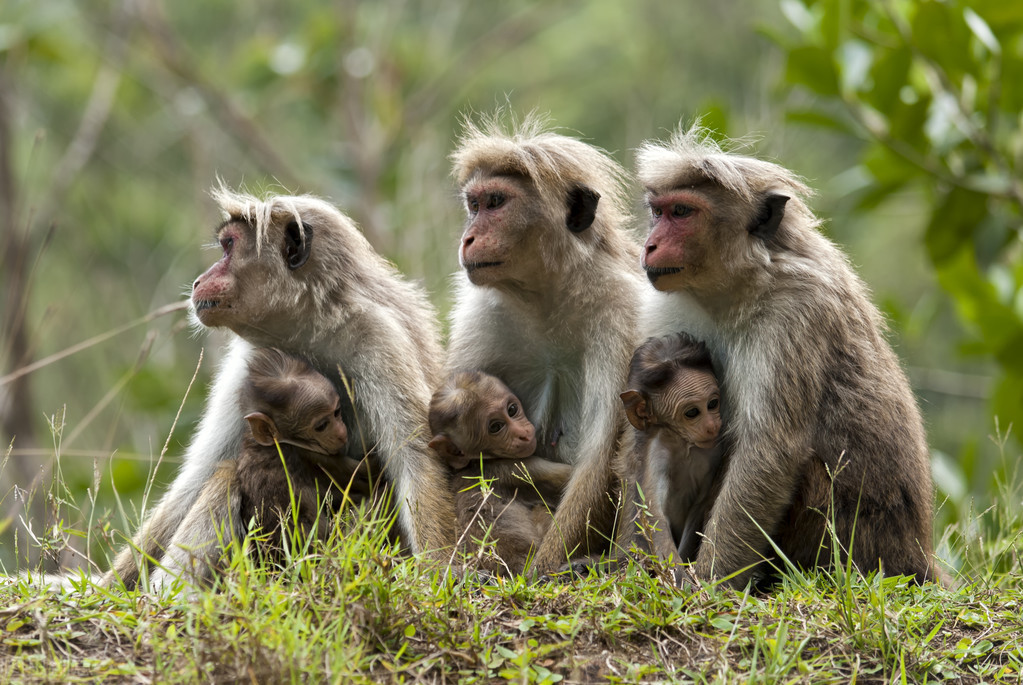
[(443, 446), (263, 429), (636, 409)]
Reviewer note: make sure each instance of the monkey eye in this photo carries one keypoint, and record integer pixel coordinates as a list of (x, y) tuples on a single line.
[(226, 243), (713, 404), (692, 413), (495, 200), (681, 210), (513, 409), (337, 411), (321, 426), (495, 427), (656, 211), (474, 206)]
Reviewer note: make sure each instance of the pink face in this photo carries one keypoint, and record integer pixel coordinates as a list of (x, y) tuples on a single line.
[(675, 244), (214, 293)]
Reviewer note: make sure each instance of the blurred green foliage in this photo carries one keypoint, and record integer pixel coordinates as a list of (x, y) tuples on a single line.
[(117, 116)]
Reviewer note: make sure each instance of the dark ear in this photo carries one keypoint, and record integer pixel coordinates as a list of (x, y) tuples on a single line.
[(771, 213), (263, 429), (635, 409), (298, 244), (582, 208), (443, 446)]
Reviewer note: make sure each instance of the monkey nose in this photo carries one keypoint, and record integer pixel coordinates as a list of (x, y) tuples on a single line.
[(467, 241), (196, 284), (650, 247)]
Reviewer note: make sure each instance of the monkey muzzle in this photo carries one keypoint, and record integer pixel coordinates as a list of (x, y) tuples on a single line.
[(654, 272)]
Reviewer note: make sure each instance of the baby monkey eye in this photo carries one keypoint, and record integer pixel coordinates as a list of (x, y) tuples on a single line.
[(513, 409), (496, 427), (321, 426), (692, 413), (713, 404)]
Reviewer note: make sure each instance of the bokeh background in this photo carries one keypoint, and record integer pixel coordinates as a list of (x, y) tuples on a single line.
[(117, 117)]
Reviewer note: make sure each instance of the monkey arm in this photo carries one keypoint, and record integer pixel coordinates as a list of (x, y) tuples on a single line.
[(396, 414), (218, 437), (586, 505), (768, 454), (207, 526), (645, 520), (552, 474)]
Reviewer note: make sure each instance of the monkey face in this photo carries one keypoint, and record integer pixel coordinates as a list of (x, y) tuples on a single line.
[(220, 296), (502, 215), (234, 292), (509, 434), (326, 430), (675, 254), (690, 405)]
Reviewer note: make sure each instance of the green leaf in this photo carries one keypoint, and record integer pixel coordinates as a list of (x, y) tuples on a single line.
[(889, 74), (814, 68), (941, 35), (954, 223), (982, 31), (818, 118)]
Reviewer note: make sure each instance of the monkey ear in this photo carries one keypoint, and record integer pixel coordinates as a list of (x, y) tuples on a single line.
[(298, 244), (635, 409), (582, 208), (443, 445), (771, 213), (263, 429)]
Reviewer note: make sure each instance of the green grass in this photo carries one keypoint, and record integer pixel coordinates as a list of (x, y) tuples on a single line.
[(354, 610)]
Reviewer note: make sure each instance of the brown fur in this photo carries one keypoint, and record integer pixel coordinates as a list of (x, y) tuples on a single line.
[(514, 508), (821, 418), (678, 478), (293, 453), (556, 320), (298, 275)]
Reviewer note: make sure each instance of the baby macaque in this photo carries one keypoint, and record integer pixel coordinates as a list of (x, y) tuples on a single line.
[(481, 431), (674, 403), (291, 407)]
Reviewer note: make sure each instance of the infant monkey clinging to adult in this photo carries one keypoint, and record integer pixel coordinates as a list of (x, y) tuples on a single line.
[(674, 403), (481, 431)]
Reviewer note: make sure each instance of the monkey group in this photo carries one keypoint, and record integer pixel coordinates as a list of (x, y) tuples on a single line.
[(722, 394)]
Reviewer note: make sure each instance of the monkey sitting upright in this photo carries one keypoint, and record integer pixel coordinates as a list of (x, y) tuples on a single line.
[(293, 454), (481, 431), (674, 403)]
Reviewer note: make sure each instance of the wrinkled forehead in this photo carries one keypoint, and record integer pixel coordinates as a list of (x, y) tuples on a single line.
[(687, 387)]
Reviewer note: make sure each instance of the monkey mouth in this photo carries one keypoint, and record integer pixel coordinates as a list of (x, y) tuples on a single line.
[(653, 272), (203, 305), (475, 266)]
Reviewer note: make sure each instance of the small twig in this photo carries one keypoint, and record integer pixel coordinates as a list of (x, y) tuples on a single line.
[(95, 340)]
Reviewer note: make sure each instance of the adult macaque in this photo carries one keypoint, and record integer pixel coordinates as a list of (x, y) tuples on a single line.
[(297, 274), (674, 403), (481, 431), (548, 303), (821, 420)]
